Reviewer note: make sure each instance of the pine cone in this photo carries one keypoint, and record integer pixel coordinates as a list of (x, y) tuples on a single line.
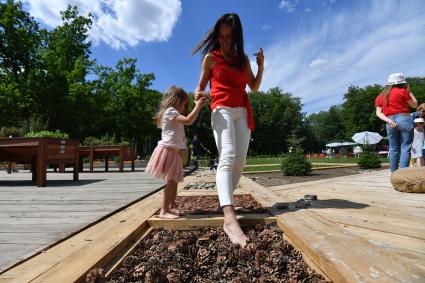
[(96, 275)]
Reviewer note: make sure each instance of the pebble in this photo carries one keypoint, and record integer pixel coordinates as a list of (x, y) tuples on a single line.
[(281, 205), (310, 197), (200, 186), (300, 203)]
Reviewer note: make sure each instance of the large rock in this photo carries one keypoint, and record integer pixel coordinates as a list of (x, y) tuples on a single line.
[(409, 180)]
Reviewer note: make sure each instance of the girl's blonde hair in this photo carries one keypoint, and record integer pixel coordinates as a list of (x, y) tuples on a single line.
[(421, 107), (173, 97)]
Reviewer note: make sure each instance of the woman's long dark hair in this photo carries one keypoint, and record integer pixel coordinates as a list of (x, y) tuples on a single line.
[(210, 42)]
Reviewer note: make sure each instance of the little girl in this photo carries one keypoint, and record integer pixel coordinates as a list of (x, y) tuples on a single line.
[(418, 141), (165, 161)]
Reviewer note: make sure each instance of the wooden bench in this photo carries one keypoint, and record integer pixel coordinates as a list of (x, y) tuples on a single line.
[(40, 152), (123, 152)]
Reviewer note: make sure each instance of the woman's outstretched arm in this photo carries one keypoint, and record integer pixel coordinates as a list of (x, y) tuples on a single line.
[(255, 81)]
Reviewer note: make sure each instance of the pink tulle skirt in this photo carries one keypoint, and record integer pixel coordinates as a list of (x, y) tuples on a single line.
[(165, 163)]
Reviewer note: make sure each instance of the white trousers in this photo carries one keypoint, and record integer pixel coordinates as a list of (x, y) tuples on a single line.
[(232, 135)]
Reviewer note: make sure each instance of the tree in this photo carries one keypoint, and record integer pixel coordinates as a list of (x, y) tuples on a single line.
[(276, 114), (417, 85), (20, 44), (65, 67), (125, 102), (359, 110), (328, 126)]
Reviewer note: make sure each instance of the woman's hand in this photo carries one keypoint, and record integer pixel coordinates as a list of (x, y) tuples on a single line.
[(259, 56), (200, 94), (392, 123)]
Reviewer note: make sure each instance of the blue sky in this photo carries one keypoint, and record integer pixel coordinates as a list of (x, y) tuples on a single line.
[(314, 49)]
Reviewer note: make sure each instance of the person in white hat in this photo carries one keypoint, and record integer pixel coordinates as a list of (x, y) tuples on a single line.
[(392, 106), (418, 141)]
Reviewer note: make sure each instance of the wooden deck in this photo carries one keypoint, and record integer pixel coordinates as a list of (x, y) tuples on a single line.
[(32, 219), (359, 230)]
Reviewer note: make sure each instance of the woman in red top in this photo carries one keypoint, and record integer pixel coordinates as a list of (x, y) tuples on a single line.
[(392, 106), (227, 68)]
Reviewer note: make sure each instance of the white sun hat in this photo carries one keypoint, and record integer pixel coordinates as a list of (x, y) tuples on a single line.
[(395, 79), (419, 120)]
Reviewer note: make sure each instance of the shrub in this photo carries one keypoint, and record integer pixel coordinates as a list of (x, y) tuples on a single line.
[(104, 140), (368, 160), (47, 134), (11, 131), (296, 165)]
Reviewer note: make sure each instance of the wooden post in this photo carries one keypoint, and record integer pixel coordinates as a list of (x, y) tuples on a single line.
[(34, 169), (91, 158), (122, 158), (81, 164), (41, 162), (9, 167), (106, 164), (77, 162), (62, 167)]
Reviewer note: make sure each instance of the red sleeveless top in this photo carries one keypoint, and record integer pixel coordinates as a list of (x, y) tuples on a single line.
[(227, 87)]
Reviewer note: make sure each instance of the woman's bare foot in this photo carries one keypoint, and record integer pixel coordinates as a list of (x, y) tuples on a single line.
[(235, 233), (168, 215), (176, 211)]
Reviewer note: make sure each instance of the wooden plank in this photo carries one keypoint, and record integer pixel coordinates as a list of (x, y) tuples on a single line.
[(207, 220), (411, 246), (65, 207), (96, 245), (343, 255)]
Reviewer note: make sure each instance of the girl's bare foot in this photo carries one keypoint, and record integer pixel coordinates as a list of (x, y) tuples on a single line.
[(176, 211), (235, 233), (168, 215)]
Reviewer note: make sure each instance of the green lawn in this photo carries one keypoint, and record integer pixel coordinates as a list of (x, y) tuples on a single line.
[(278, 160), (276, 167)]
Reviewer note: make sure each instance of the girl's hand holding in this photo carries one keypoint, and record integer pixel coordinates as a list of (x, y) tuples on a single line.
[(259, 56), (200, 94), (201, 101)]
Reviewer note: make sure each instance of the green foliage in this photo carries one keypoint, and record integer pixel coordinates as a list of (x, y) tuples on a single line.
[(295, 143), (369, 160), (359, 110), (11, 131), (295, 164), (328, 126), (47, 134), (276, 115), (104, 140), (417, 86)]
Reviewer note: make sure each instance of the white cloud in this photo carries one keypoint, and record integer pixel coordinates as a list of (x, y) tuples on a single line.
[(118, 23), (307, 10), (266, 27), (319, 63), (288, 5)]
